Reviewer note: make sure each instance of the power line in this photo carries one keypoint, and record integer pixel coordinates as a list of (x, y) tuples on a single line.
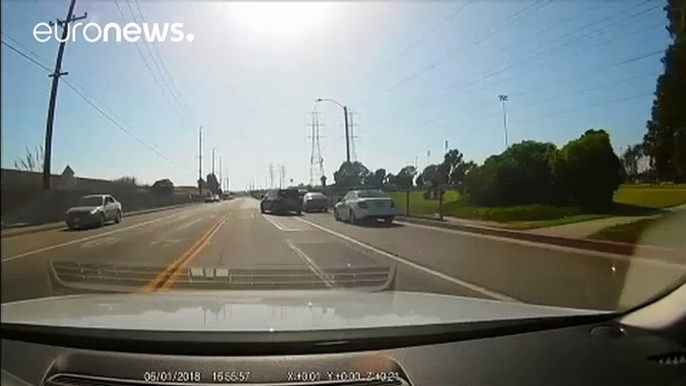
[(409, 48), (25, 56), (93, 104), (557, 98), (161, 68), (472, 84), (147, 65), (507, 21)]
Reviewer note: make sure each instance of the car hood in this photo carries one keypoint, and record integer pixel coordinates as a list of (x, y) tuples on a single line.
[(266, 310), (82, 209)]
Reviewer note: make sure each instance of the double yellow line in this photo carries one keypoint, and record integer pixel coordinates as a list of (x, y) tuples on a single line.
[(165, 279)]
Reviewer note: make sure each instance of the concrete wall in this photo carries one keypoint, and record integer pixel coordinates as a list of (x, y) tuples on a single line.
[(25, 202)]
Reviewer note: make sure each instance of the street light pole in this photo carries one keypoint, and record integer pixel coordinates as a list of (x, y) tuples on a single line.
[(503, 99), (347, 128)]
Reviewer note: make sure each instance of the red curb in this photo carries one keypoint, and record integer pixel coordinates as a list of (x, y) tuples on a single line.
[(675, 255)]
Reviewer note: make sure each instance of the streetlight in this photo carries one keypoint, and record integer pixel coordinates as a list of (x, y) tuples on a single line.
[(345, 116), (503, 99)]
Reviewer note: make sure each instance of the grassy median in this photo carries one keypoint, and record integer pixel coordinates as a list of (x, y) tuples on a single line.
[(630, 200)]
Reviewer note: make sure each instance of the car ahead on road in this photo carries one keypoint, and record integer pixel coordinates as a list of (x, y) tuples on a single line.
[(212, 198), (281, 201), (359, 205), (315, 201), (95, 209)]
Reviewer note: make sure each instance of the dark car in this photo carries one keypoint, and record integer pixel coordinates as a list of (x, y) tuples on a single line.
[(315, 201), (94, 209), (281, 201)]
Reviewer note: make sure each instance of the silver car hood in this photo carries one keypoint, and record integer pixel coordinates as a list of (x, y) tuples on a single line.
[(266, 310)]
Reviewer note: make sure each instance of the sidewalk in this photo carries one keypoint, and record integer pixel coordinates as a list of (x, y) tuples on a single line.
[(584, 229)]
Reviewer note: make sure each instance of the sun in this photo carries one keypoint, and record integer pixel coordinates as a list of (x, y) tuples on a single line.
[(280, 19)]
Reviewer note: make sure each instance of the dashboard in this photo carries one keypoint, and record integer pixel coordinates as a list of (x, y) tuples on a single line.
[(598, 353)]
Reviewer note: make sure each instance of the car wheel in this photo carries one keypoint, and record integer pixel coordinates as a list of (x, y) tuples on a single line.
[(353, 219), (117, 219), (102, 220), (299, 212), (261, 209), (335, 215), (71, 227)]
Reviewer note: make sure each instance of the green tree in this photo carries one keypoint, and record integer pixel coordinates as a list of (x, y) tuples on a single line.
[(419, 181), (164, 186), (521, 175), (405, 177), (377, 178), (351, 174), (665, 140), (630, 158), (587, 171), (430, 175)]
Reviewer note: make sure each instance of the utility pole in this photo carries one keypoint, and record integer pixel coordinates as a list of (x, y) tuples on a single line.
[(200, 160), (271, 176), (221, 179), (503, 99), (213, 150), (53, 91)]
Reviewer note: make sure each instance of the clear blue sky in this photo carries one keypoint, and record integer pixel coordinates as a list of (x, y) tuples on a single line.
[(416, 74)]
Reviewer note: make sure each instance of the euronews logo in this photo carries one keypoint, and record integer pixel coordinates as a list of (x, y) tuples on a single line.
[(113, 32)]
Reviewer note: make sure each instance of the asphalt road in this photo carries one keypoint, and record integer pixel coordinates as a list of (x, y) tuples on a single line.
[(231, 245)]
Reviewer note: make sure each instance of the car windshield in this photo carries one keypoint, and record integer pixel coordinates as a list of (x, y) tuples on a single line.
[(90, 201), (531, 153)]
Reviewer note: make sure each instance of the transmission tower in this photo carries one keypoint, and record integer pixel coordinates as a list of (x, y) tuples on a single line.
[(316, 159), (352, 118), (271, 176)]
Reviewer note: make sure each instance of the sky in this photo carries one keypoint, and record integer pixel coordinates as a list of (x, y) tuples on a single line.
[(414, 74)]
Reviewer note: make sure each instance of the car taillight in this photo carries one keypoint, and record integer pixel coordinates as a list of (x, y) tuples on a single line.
[(362, 204)]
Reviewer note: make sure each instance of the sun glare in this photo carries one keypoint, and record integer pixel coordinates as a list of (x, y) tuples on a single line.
[(280, 19)]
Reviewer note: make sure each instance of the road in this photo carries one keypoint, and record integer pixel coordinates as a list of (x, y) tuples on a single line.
[(200, 247)]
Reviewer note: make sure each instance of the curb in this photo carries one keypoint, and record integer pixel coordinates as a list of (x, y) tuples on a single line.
[(585, 244), (23, 230)]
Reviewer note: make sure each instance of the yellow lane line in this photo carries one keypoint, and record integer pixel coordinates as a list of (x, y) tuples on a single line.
[(172, 269)]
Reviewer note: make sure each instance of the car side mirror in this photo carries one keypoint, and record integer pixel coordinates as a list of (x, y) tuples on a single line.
[(340, 199)]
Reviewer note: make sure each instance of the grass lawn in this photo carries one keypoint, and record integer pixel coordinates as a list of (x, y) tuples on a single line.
[(662, 231), (630, 200), (651, 196), (419, 205)]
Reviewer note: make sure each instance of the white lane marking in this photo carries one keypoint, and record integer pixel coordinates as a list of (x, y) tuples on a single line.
[(310, 263), (77, 241), (165, 242), (186, 225), (559, 248), (274, 223), (100, 242), (471, 286), (281, 228)]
